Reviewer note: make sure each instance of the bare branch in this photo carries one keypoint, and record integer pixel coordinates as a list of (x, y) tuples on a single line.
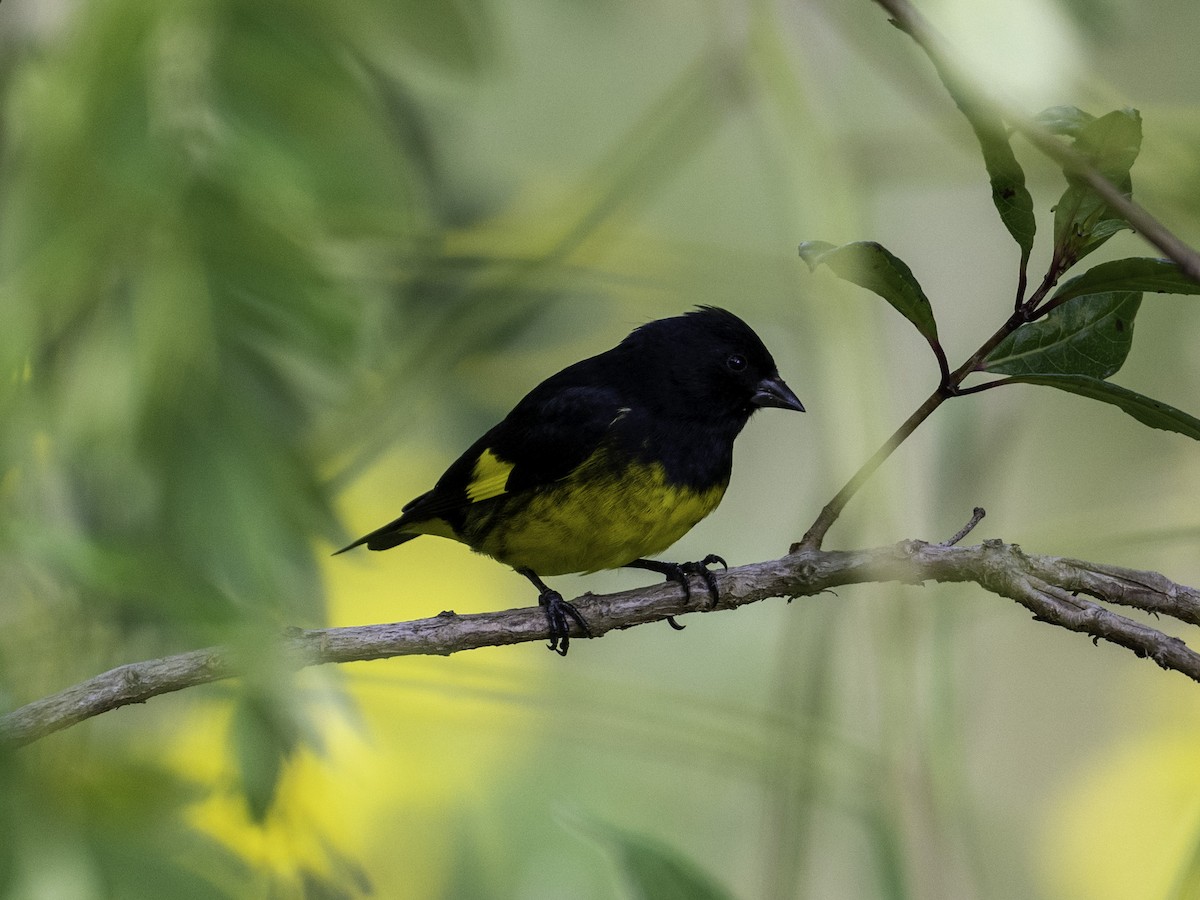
[(1047, 586)]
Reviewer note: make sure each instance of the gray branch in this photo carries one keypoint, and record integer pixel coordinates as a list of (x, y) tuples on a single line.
[(1058, 591)]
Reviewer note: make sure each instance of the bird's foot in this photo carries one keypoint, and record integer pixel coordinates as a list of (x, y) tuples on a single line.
[(559, 615), (680, 572), (701, 568)]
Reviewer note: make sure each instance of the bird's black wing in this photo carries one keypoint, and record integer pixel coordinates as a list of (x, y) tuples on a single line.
[(547, 435)]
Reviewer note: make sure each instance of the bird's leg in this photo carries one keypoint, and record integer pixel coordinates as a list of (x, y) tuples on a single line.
[(559, 614), (679, 572)]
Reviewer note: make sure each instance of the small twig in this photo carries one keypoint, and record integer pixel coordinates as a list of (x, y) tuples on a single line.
[(1047, 586), (976, 517)]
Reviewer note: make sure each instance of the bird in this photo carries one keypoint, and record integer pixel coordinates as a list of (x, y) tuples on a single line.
[(607, 462)]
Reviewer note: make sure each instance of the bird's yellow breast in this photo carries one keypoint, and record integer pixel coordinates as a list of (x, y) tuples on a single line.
[(599, 517)]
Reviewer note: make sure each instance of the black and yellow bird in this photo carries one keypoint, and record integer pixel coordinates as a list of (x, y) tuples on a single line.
[(608, 462)]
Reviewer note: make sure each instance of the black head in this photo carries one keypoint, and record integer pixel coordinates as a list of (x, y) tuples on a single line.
[(706, 363)]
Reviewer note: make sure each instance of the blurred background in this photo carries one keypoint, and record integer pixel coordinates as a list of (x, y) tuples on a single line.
[(266, 268)]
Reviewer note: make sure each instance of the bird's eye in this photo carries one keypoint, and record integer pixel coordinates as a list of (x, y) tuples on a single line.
[(736, 362)]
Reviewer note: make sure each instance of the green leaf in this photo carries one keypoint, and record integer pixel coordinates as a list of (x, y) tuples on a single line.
[(1147, 411), (1082, 220), (873, 267), (1161, 276), (654, 870), (1112, 143), (1086, 336), (264, 737), (1064, 120), (1009, 194)]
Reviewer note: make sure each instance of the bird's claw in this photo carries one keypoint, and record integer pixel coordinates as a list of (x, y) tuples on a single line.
[(559, 615), (679, 573), (701, 568)]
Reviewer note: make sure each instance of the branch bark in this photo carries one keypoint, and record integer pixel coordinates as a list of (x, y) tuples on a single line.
[(1054, 589)]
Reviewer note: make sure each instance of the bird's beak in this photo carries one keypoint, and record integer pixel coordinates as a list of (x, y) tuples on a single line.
[(773, 392)]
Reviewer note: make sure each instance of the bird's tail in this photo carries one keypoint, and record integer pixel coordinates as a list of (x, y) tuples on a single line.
[(384, 538)]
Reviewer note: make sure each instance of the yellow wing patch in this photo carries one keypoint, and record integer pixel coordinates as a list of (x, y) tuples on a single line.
[(490, 478)]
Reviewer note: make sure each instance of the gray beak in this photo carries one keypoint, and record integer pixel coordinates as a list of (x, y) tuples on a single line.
[(773, 392)]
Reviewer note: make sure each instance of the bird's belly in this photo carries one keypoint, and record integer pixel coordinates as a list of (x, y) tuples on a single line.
[(590, 523)]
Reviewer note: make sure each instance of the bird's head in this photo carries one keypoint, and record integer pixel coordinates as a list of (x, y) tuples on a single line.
[(707, 363)]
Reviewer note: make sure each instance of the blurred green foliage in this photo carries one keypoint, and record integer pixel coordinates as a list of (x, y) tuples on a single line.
[(266, 266), (654, 870), (213, 217), (190, 193)]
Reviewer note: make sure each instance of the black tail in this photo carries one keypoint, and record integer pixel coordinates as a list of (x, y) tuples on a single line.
[(383, 538)]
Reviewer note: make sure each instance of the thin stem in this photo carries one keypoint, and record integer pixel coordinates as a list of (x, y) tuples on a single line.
[(813, 537), (943, 364), (1022, 284), (975, 361), (1053, 272), (948, 388), (980, 388)]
